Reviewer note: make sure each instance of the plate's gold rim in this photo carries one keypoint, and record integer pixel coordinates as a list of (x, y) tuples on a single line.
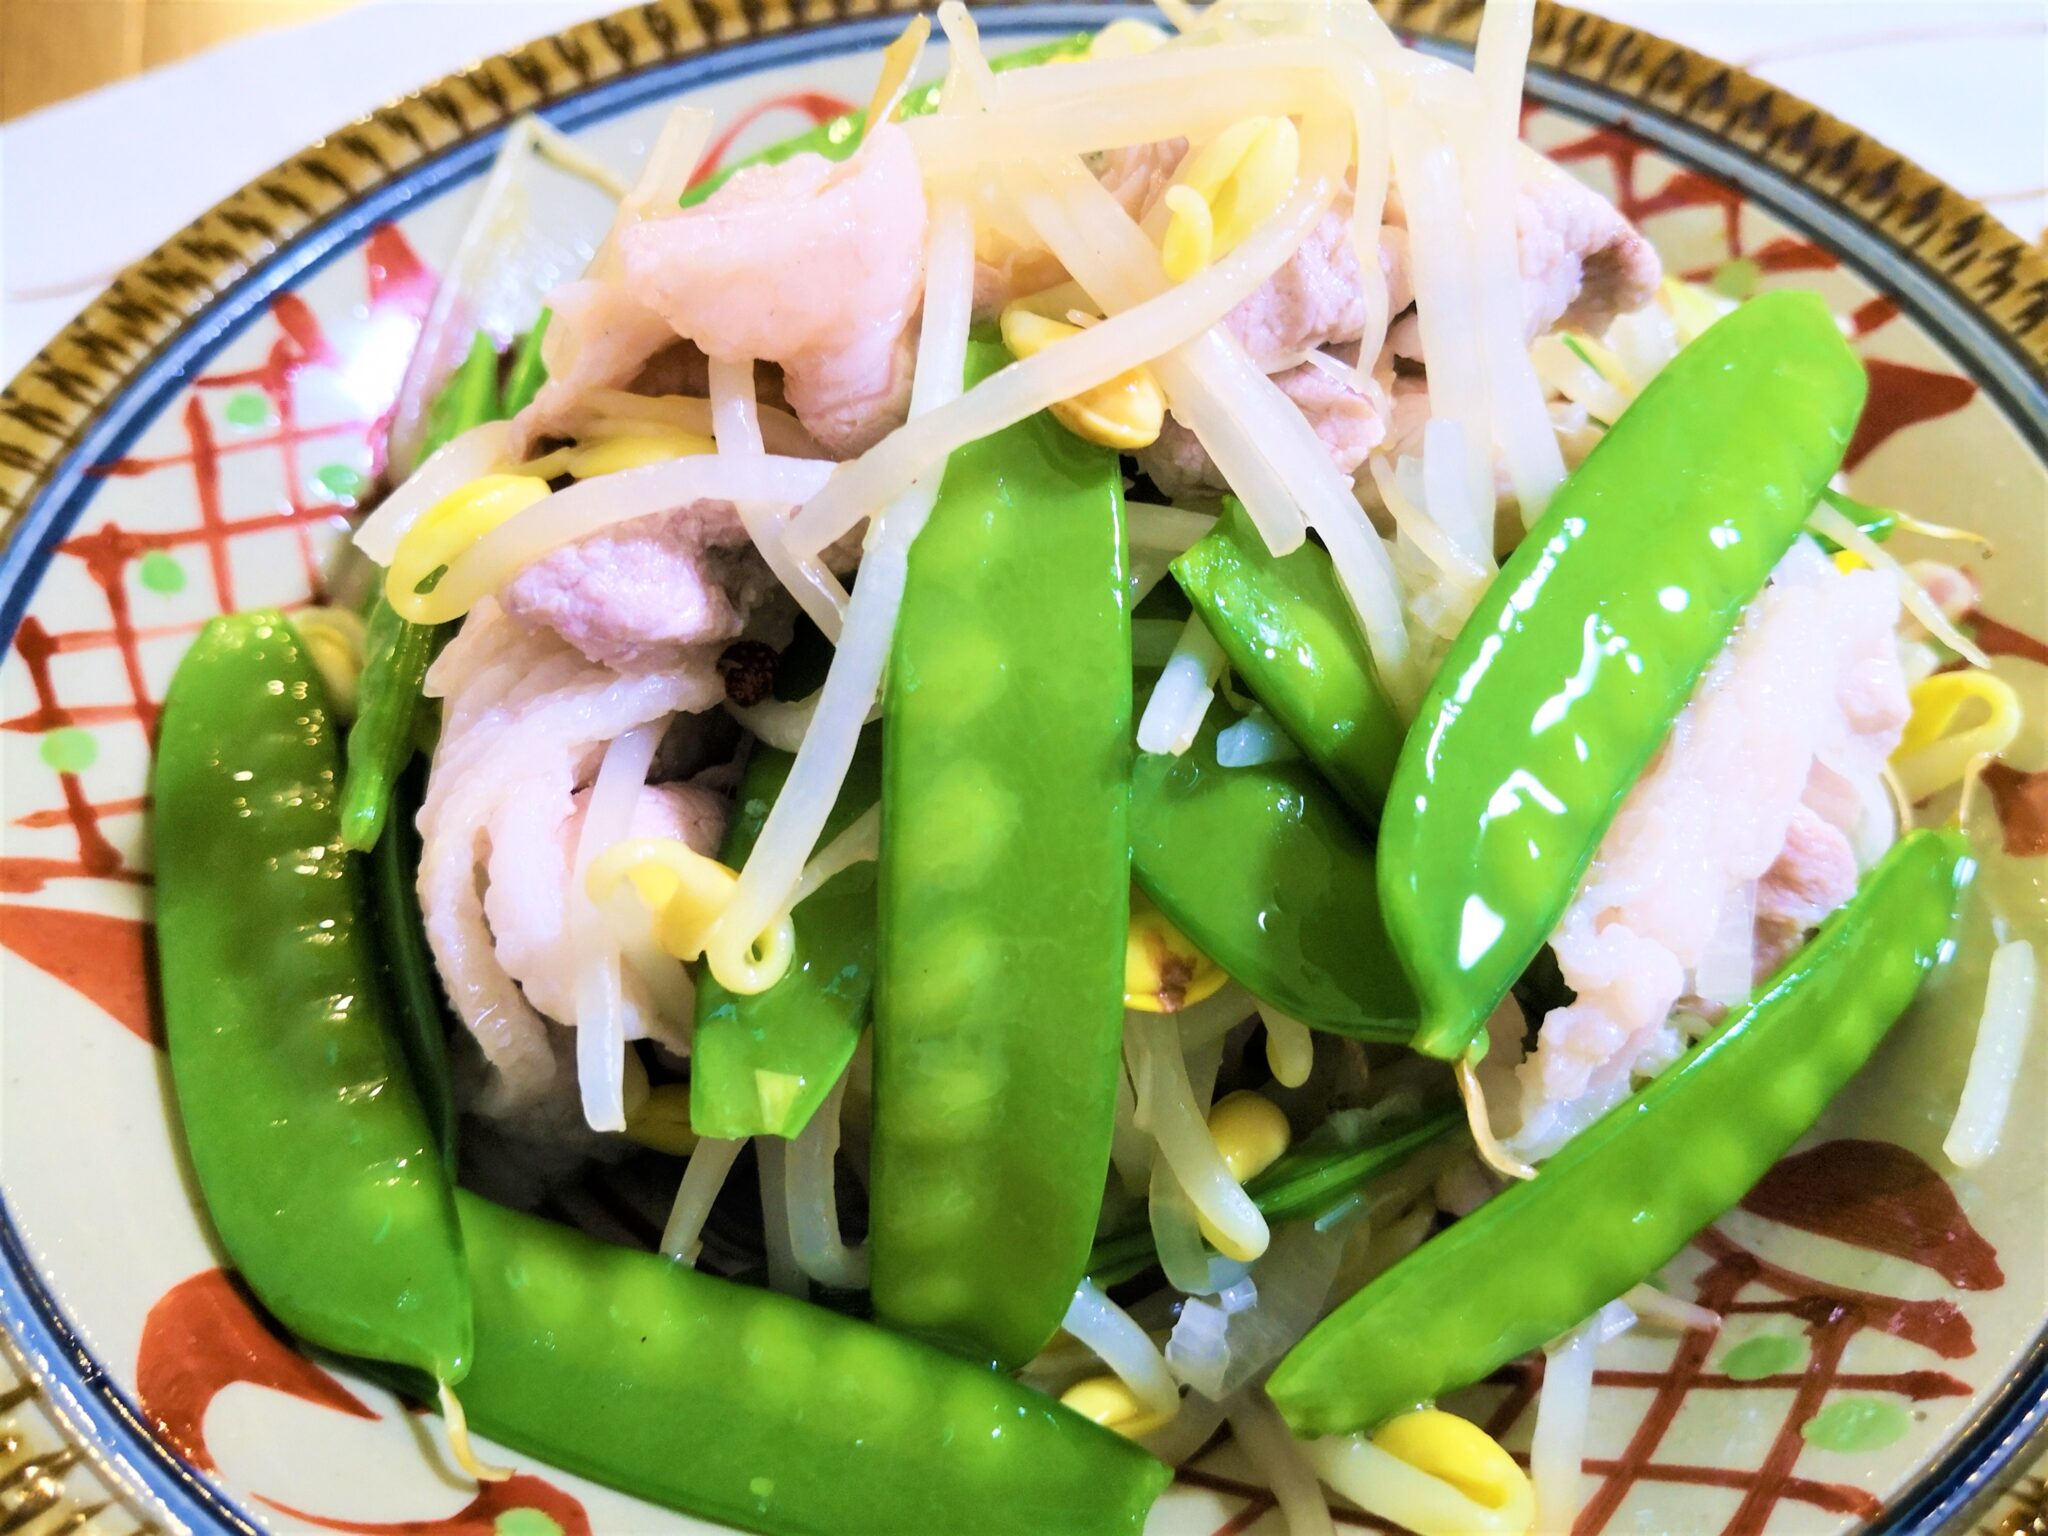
[(44, 411), (48, 407)]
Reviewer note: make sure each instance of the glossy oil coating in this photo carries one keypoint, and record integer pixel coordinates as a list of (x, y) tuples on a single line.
[(1627, 1193), (1288, 631), (314, 1155), (1005, 890), (750, 1408), (1263, 869), (1567, 677), (761, 1065)]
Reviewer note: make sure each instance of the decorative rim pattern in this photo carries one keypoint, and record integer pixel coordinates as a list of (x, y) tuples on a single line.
[(1959, 251), (44, 412), (51, 1479)]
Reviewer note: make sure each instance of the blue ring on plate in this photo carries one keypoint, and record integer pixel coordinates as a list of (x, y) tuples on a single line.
[(82, 1391)]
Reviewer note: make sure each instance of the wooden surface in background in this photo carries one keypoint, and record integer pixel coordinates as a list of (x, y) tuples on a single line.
[(51, 49)]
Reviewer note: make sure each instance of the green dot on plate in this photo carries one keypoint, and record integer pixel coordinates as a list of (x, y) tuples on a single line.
[(340, 480), (1768, 1354), (526, 1521), (1736, 278), (761, 1487), (69, 749), (160, 572), (1857, 1424), (247, 408)]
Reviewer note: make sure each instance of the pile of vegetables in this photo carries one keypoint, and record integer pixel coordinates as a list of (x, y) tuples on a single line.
[(1029, 921)]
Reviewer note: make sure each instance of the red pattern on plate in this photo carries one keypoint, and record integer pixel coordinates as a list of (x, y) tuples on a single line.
[(201, 1338), (206, 1334), (399, 287), (818, 106), (1889, 1199), (2022, 801), (1999, 639), (109, 960), (520, 1494), (1902, 396), (1868, 1195)]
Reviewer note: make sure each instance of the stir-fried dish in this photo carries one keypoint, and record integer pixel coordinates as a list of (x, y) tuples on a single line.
[(1153, 736)]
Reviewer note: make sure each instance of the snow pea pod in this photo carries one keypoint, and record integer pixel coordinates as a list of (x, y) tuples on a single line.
[(1287, 630), (758, 1411), (396, 653), (1625, 1195), (1334, 1163), (1565, 680), (420, 1012), (761, 1065), (1005, 890), (528, 372), (1877, 523), (315, 1157), (1262, 868)]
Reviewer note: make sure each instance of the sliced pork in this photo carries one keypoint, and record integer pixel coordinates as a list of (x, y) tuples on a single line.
[(527, 894), (599, 338), (526, 719), (1751, 815), (1315, 300), (1351, 421), (1137, 175), (816, 266), (1582, 262), (646, 593)]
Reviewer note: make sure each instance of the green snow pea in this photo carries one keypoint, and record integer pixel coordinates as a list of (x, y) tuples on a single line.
[(420, 1011), (761, 1065), (758, 1411), (1287, 630), (315, 1157), (1627, 1193), (396, 653), (1005, 888), (1565, 680), (1262, 868), (528, 372), (1348, 1151), (1878, 523), (838, 137)]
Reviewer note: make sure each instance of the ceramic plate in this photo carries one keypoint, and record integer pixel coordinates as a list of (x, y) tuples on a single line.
[(198, 438)]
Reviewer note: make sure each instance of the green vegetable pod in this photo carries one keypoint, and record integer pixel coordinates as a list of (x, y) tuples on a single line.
[(396, 652), (1567, 677), (761, 1065), (1005, 889), (1263, 869), (419, 1007), (1875, 523), (1286, 628), (316, 1160), (1626, 1194), (750, 1408)]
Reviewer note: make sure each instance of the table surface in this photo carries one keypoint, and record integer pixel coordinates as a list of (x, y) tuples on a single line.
[(51, 50)]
